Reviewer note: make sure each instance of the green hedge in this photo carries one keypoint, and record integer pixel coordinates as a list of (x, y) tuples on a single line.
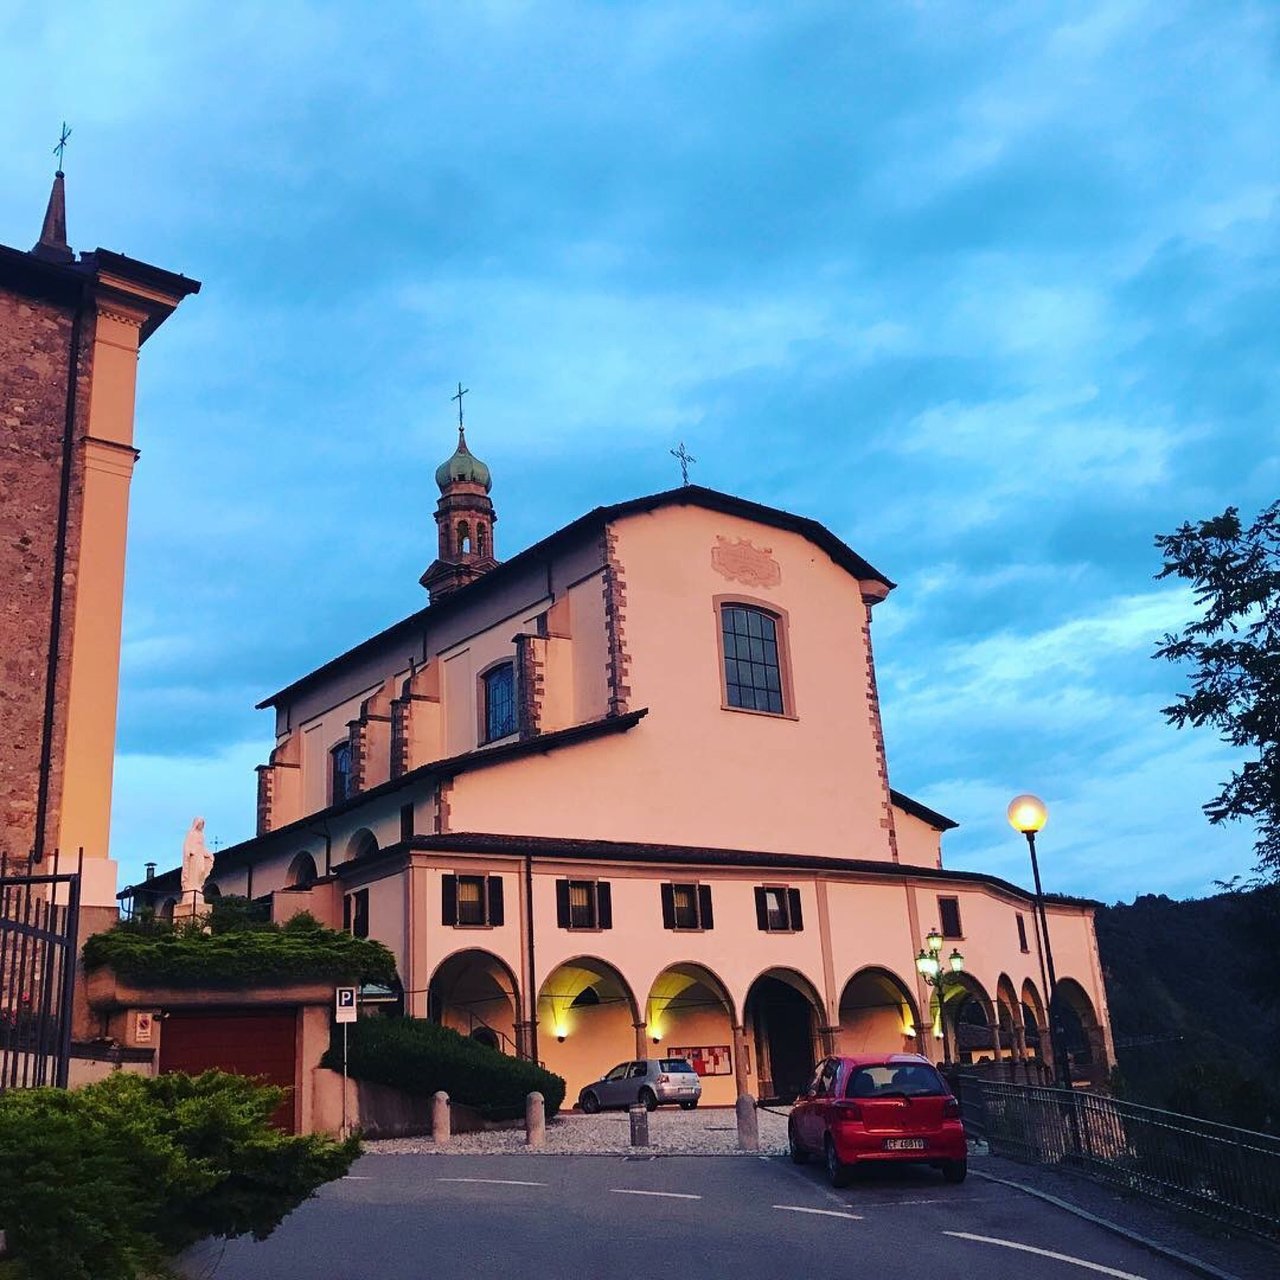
[(421, 1058), (106, 1182), (184, 955)]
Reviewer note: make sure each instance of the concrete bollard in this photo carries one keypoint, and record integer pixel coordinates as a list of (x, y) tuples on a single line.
[(440, 1118), (535, 1120), (639, 1125), (748, 1123)]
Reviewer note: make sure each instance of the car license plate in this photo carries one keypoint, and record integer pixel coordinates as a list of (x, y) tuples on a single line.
[(904, 1144)]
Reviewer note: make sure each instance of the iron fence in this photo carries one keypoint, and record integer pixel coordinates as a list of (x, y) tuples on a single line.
[(1229, 1175), (38, 923)]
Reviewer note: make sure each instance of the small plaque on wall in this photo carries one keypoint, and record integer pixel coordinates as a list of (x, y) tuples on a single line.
[(714, 1060), (142, 1027)]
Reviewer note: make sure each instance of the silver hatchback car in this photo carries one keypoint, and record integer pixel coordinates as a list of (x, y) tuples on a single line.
[(650, 1082)]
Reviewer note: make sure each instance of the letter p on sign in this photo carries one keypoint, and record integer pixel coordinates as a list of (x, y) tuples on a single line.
[(345, 1004)]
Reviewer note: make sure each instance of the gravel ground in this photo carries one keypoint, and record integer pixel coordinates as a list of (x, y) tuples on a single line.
[(704, 1132)]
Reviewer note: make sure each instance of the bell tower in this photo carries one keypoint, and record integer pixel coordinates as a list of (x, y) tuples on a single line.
[(464, 520)]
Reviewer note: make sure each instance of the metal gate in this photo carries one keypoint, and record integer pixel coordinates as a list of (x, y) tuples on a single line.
[(38, 920)]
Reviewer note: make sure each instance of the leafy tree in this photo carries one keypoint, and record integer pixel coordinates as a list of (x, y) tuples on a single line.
[(1234, 650)]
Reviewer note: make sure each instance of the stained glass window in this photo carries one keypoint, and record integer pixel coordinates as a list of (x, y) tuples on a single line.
[(340, 773), (752, 669), (500, 702)]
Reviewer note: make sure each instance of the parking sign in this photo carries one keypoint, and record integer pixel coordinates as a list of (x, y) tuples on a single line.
[(345, 1004)]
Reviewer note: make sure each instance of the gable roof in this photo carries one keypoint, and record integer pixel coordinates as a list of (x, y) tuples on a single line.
[(687, 495)]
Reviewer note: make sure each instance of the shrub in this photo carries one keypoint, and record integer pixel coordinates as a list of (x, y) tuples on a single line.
[(185, 956), (103, 1182), (421, 1058)]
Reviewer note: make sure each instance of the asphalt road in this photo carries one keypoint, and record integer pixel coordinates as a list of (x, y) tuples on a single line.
[(745, 1218)]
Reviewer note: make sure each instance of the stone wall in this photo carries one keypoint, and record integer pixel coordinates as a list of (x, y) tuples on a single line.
[(35, 343)]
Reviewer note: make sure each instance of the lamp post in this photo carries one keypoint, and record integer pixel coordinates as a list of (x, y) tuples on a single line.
[(1027, 814), (939, 974)]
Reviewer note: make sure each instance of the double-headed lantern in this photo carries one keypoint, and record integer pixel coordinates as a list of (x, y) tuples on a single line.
[(929, 961)]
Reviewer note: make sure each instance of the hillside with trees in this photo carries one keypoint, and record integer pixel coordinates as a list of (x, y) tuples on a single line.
[(1194, 994)]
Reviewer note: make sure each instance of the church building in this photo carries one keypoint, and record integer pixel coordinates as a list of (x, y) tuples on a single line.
[(625, 795)]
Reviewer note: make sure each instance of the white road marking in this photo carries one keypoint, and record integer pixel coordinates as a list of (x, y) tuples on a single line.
[(668, 1195), (495, 1182), (357, 1177), (825, 1213), (1045, 1253)]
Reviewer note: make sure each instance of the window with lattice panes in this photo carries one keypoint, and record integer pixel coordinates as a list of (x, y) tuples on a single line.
[(752, 659), (499, 701)]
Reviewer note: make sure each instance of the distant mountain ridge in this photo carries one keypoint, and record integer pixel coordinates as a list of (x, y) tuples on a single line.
[(1194, 995)]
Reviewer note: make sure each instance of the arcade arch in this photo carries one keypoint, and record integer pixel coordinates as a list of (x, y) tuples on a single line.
[(877, 1013), (689, 1013), (781, 1016), (588, 1022), (475, 993)]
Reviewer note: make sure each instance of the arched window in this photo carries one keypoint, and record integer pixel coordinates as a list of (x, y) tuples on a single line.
[(499, 686), (481, 540), (753, 659), (464, 538), (340, 773), (302, 872)]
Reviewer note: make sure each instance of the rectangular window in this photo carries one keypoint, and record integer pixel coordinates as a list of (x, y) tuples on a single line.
[(686, 906), (499, 702), (406, 822), (949, 916), (1022, 933), (472, 902), (584, 904), (752, 663), (355, 913), (778, 909)]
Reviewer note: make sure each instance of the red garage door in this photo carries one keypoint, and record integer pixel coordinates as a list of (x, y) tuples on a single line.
[(257, 1042)]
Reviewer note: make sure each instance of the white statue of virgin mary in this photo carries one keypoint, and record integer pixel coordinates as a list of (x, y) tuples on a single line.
[(197, 861)]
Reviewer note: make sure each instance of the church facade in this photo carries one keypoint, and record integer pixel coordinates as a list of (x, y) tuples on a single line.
[(625, 795)]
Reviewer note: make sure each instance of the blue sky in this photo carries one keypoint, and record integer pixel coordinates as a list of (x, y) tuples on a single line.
[(990, 290)]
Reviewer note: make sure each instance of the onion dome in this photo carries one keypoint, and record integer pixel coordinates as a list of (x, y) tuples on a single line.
[(463, 467)]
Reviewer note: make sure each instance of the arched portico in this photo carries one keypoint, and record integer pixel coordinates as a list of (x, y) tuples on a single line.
[(362, 843), (476, 994), (1009, 1014), (690, 1014), (1035, 1027), (302, 872), (1079, 1031), (967, 1020), (877, 1013), (782, 1016), (588, 1022)]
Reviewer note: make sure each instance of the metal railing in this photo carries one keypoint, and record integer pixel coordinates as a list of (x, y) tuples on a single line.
[(1229, 1175)]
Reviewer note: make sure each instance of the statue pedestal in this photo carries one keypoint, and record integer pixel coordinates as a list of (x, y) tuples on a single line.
[(189, 907)]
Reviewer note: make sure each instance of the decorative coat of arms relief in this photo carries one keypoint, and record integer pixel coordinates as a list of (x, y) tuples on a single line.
[(739, 560)]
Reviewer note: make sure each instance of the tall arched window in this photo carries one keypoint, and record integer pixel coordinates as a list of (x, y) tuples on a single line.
[(340, 773), (302, 872), (753, 660), (464, 537), (481, 540), (499, 688)]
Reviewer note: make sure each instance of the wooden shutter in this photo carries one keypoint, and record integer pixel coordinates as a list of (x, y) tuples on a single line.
[(495, 900), (449, 899), (762, 909), (949, 914), (668, 906), (793, 909), (604, 905), (704, 906), (562, 903)]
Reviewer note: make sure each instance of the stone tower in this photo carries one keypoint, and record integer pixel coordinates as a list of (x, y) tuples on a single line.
[(464, 520), (70, 332)]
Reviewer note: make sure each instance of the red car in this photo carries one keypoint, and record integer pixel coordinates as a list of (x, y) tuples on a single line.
[(885, 1106)]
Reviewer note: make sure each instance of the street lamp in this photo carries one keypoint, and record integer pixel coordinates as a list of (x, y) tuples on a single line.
[(1027, 814), (936, 974)]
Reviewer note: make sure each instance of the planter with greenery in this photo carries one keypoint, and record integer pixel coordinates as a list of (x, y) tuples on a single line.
[(108, 1181), (419, 1057), (236, 954)]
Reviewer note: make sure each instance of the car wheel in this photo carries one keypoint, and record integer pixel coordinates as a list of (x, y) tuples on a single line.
[(648, 1099), (955, 1170), (837, 1171), (589, 1103), (798, 1154), (688, 1106)]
